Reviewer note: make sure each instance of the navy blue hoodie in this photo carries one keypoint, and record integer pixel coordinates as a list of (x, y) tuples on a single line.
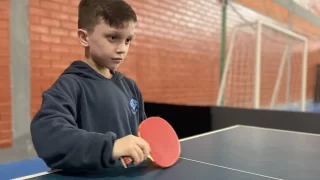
[(81, 116)]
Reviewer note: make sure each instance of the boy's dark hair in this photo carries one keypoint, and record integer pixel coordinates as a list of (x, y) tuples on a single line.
[(113, 12)]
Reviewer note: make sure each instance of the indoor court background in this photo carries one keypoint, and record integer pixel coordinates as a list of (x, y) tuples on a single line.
[(176, 58)]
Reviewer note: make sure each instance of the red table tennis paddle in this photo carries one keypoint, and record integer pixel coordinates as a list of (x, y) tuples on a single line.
[(162, 139)]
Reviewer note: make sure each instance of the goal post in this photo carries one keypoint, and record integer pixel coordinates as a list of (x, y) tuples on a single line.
[(253, 75)]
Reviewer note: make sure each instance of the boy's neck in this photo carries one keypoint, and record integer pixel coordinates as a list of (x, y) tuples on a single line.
[(101, 70)]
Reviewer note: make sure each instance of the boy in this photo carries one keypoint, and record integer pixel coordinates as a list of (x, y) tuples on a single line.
[(89, 117)]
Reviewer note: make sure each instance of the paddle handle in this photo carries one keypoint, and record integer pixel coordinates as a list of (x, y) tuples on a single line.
[(127, 160)]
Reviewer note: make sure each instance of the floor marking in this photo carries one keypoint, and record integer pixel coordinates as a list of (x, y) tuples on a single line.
[(230, 168), (37, 175), (279, 130), (208, 133)]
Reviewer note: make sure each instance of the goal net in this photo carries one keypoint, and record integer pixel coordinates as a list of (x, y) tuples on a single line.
[(265, 68)]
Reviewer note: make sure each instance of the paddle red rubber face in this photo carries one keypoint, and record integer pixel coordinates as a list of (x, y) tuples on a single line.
[(163, 141)]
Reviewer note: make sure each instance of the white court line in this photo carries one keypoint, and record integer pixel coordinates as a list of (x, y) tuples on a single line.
[(208, 133), (279, 130), (230, 168), (37, 175)]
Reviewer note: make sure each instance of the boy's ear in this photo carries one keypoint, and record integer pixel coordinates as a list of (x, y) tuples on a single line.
[(83, 37)]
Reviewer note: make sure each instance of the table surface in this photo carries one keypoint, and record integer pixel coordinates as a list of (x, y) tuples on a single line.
[(234, 153)]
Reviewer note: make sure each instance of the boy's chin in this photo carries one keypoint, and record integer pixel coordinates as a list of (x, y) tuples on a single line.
[(113, 67)]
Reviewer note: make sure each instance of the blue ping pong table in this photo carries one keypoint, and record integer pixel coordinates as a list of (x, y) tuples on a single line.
[(234, 153)]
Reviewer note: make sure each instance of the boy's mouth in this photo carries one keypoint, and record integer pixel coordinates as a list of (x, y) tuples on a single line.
[(117, 60)]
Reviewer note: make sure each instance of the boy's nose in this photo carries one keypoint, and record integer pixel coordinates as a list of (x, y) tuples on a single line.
[(121, 49)]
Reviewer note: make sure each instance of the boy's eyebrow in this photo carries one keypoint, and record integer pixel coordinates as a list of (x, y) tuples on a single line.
[(118, 34)]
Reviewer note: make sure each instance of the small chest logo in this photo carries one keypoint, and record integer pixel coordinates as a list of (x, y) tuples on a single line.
[(134, 106)]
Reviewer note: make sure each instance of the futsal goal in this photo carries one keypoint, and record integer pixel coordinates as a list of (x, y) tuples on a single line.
[(265, 67)]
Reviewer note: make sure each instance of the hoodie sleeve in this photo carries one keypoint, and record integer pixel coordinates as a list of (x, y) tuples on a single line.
[(142, 111), (57, 138)]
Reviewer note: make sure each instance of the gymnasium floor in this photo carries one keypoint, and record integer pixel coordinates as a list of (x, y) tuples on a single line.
[(310, 107)]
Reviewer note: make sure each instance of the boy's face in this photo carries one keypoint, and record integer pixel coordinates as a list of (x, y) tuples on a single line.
[(108, 46)]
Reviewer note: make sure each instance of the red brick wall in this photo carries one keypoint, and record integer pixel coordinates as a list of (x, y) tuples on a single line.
[(174, 57), (273, 10), (174, 60), (53, 43), (165, 53), (5, 95), (176, 51)]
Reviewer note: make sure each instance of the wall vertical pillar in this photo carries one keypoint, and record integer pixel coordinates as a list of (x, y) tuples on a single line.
[(20, 83)]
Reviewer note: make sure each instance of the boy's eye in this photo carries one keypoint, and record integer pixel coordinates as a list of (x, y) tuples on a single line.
[(112, 38), (116, 38), (128, 40)]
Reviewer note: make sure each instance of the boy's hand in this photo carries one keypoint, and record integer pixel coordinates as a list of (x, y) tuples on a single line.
[(135, 147)]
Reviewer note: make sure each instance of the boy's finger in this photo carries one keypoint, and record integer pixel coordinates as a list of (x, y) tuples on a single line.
[(140, 154), (135, 157), (144, 146)]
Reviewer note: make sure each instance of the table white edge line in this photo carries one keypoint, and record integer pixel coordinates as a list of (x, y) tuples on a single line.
[(184, 139), (193, 137), (207, 133), (279, 130), (37, 175), (230, 168)]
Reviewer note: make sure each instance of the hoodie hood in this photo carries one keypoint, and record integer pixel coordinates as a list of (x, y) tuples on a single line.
[(82, 69)]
